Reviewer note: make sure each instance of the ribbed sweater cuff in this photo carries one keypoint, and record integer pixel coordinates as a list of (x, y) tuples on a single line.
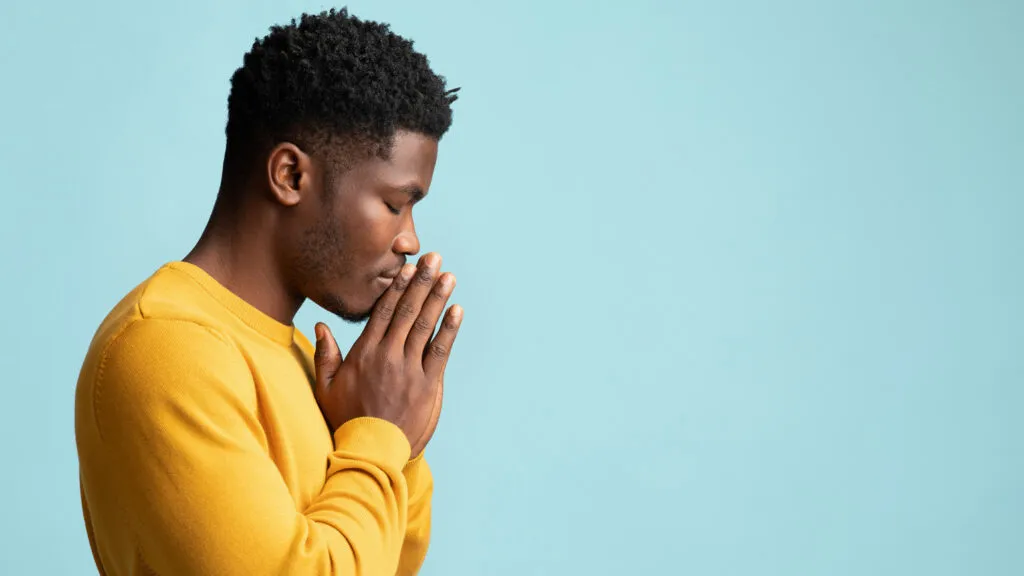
[(373, 440)]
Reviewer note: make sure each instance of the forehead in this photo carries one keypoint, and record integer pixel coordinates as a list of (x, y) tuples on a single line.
[(410, 164), (413, 151)]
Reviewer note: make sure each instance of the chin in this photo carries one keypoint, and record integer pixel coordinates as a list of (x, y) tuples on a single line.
[(354, 317), (345, 310)]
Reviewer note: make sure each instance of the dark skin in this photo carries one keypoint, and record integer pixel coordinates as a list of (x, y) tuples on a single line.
[(341, 240)]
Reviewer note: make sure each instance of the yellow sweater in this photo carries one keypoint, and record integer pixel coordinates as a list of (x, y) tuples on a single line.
[(202, 450)]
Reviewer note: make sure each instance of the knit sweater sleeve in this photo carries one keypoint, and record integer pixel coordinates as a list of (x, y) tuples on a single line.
[(175, 467)]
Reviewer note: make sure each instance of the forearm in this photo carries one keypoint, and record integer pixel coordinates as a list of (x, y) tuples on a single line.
[(238, 518), (362, 512), (176, 474), (417, 534)]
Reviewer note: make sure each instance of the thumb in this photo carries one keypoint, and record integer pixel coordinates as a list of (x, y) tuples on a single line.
[(327, 357)]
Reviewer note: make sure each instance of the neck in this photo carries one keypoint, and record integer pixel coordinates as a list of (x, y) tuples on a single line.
[(241, 258)]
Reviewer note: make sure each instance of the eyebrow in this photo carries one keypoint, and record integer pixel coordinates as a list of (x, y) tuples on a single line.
[(414, 192)]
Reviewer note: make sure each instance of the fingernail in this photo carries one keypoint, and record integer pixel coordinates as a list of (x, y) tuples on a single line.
[(319, 332), (407, 271), (448, 281), (431, 260), (457, 313)]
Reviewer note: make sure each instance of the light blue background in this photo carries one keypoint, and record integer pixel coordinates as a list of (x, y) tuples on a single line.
[(742, 280)]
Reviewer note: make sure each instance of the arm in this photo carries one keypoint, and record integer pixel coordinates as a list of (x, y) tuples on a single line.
[(417, 534), (175, 467), (420, 482)]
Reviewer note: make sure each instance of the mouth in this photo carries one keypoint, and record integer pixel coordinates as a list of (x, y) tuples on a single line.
[(382, 283), (393, 273), (385, 279)]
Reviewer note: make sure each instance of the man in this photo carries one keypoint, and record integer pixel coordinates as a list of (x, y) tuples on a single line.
[(212, 437)]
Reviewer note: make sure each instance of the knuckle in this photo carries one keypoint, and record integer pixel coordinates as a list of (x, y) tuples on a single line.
[(424, 277), (438, 350), (385, 310), (386, 362), (450, 323), (405, 309), (390, 366), (423, 325), (364, 358)]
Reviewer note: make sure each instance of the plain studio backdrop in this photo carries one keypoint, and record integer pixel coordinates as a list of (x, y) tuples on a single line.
[(742, 280)]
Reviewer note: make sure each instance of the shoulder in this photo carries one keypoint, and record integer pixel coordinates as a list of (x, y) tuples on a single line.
[(149, 343), (158, 351), (155, 366)]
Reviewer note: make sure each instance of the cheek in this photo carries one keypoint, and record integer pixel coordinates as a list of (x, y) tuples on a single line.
[(373, 230)]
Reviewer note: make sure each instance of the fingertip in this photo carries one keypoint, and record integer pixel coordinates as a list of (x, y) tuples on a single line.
[(319, 331), (431, 260), (407, 271)]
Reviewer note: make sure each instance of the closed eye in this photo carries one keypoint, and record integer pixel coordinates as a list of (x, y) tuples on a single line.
[(392, 209)]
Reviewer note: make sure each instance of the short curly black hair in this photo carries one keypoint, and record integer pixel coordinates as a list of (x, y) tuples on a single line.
[(330, 78)]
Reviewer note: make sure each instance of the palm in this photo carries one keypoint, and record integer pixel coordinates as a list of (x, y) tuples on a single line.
[(435, 415)]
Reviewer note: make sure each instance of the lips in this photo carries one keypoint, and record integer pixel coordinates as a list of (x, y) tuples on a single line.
[(391, 274)]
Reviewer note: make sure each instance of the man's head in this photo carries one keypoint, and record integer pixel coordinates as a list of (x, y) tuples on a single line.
[(332, 133)]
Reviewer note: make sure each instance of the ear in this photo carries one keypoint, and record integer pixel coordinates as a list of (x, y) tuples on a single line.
[(289, 174)]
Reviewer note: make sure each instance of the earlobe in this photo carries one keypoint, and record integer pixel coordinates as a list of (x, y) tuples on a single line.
[(288, 173)]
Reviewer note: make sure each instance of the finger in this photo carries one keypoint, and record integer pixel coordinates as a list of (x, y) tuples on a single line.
[(436, 355), (423, 328), (409, 305), (326, 358), (384, 309)]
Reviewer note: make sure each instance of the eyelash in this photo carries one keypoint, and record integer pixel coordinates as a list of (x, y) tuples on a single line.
[(392, 209)]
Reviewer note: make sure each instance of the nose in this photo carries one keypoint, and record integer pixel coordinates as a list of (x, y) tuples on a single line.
[(407, 242)]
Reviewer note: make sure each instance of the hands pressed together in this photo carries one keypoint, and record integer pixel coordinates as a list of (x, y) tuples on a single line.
[(395, 369)]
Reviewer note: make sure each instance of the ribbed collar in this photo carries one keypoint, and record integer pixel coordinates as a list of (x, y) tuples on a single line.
[(252, 316)]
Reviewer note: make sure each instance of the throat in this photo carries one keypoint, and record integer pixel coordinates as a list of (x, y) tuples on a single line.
[(247, 271)]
